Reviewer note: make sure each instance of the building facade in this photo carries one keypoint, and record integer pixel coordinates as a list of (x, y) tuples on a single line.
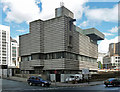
[(107, 62), (100, 60), (100, 57), (58, 45), (4, 46), (115, 60), (114, 49), (114, 57), (4, 50), (8, 52), (14, 50)]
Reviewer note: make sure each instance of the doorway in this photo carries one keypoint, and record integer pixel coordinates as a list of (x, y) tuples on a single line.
[(58, 77)]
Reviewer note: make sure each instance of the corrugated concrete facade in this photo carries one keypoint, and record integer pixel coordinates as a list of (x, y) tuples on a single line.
[(56, 44), (54, 35)]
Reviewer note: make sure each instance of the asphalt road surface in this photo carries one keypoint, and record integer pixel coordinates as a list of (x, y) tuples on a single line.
[(15, 86)]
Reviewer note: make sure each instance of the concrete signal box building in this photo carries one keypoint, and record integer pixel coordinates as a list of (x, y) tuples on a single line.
[(58, 45)]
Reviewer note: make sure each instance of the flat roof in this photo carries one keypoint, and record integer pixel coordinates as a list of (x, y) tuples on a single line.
[(94, 32)]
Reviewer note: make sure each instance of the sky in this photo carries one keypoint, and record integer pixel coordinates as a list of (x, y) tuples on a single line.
[(101, 14)]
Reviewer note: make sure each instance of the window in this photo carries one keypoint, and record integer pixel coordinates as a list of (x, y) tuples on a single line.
[(71, 57), (58, 55), (14, 51), (94, 60), (90, 59), (70, 39), (53, 55), (50, 56), (63, 55), (81, 58), (87, 58), (84, 59), (112, 45), (68, 55), (70, 26), (76, 57), (41, 56), (13, 59), (14, 55), (35, 56), (14, 48), (45, 56), (29, 58), (113, 64), (24, 58)]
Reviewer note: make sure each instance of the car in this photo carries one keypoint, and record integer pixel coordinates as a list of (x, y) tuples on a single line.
[(112, 81), (75, 77), (33, 80)]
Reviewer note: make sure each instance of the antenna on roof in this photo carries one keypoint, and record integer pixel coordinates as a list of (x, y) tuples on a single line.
[(61, 3)]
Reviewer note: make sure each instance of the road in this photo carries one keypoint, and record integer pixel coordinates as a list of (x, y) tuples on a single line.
[(15, 86)]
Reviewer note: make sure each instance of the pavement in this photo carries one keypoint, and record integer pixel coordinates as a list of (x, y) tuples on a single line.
[(59, 84)]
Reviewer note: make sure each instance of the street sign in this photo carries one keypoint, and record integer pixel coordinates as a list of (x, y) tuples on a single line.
[(85, 71)]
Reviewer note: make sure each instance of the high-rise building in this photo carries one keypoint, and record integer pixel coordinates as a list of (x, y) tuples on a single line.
[(58, 44), (114, 56), (114, 49), (4, 46), (14, 63)]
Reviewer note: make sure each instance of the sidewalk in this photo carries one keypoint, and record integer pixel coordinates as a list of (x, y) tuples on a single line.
[(78, 84), (59, 84)]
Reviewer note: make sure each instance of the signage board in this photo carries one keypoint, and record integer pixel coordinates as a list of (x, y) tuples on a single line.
[(85, 71), (55, 72)]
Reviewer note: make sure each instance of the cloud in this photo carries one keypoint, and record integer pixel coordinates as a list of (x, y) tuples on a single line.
[(20, 10), (84, 24), (48, 7), (108, 34), (111, 31), (98, 15), (114, 30), (104, 44), (27, 10), (5, 8), (20, 30), (89, 23), (102, 14)]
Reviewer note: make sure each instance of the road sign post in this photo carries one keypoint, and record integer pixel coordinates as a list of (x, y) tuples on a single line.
[(85, 73), (55, 72)]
